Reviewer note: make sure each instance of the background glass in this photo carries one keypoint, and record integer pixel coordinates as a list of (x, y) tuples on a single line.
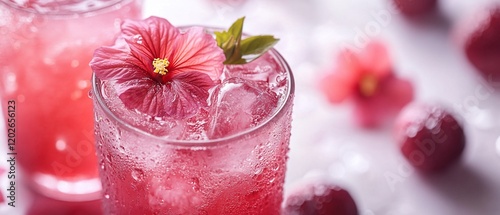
[(45, 51)]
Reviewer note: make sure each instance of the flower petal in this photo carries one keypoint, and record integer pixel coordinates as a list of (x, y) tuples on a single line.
[(342, 81), (370, 112), (152, 37), (181, 98), (399, 92), (349, 65), (115, 63), (145, 95), (197, 51), (375, 59), (336, 87), (383, 106)]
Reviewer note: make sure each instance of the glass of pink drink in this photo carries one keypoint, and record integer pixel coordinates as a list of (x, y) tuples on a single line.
[(228, 159), (46, 47)]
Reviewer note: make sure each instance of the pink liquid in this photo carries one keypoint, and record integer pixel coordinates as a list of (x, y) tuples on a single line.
[(202, 165), (44, 68)]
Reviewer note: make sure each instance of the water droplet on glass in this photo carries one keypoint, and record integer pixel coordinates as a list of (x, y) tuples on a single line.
[(272, 180), (122, 149), (275, 167), (97, 118), (137, 174), (195, 182), (209, 153), (109, 158), (138, 39)]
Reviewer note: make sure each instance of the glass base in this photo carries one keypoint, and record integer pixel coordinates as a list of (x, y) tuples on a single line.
[(64, 190)]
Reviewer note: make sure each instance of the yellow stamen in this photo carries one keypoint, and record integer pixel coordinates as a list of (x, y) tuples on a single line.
[(368, 85), (161, 66)]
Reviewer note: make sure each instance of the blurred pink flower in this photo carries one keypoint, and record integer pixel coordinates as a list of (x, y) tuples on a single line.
[(367, 80), (159, 69)]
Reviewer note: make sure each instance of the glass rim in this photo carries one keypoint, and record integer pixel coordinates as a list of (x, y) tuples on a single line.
[(279, 112), (67, 14)]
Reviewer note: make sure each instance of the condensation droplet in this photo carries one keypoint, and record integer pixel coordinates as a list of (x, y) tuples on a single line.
[(109, 158), (195, 182), (137, 174), (272, 180), (257, 171), (138, 39), (121, 149), (275, 167)]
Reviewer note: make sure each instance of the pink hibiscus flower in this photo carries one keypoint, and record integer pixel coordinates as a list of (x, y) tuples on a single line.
[(159, 69), (367, 80)]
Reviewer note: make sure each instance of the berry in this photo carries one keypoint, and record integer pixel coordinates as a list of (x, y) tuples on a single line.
[(320, 199), (479, 37), (414, 8), (430, 138)]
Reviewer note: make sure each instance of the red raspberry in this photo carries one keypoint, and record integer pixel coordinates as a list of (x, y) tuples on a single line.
[(414, 8), (320, 199), (479, 36), (430, 138)]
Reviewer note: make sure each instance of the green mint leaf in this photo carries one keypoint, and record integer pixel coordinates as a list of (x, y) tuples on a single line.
[(236, 29), (253, 47), (238, 51)]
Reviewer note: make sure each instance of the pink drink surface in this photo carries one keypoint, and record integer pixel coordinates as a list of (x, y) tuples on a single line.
[(151, 174), (45, 51)]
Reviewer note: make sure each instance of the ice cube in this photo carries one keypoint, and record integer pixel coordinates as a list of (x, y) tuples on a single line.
[(174, 195), (239, 105), (263, 70)]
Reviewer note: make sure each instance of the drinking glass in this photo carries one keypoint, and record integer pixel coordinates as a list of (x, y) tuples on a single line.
[(231, 173), (45, 49)]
